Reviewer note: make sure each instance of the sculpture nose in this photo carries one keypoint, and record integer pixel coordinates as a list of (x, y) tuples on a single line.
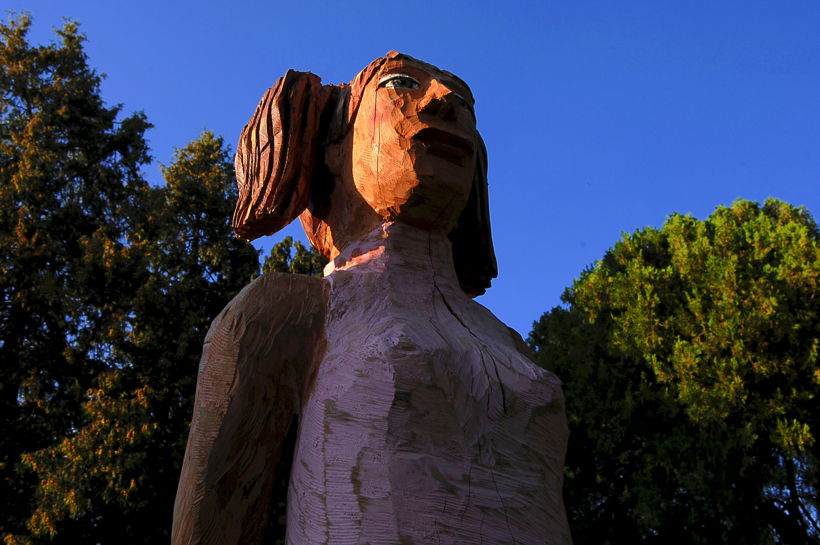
[(439, 101)]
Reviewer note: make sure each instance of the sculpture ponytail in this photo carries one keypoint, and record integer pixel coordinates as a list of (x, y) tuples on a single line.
[(276, 156)]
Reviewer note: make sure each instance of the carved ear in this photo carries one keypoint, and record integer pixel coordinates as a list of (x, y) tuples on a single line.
[(277, 154), (473, 253)]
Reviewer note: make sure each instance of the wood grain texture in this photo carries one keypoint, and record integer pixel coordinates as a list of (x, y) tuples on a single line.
[(276, 154), (255, 361), (427, 422), (422, 419)]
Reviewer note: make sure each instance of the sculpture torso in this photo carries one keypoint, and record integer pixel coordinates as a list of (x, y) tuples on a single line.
[(425, 424)]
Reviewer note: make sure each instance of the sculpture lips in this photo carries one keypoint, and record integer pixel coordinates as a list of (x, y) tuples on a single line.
[(445, 145)]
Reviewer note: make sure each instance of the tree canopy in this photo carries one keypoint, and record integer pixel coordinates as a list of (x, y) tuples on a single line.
[(108, 287), (69, 185), (689, 361), (289, 256)]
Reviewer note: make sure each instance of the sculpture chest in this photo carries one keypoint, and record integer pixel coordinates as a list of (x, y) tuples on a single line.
[(424, 423)]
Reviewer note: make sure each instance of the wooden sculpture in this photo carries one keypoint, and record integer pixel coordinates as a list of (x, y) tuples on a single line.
[(421, 419)]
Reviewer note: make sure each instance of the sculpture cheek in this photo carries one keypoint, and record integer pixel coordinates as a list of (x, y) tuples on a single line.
[(404, 105), (406, 126)]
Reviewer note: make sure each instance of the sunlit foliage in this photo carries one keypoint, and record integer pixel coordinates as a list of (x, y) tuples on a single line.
[(689, 361), (108, 288), (289, 256)]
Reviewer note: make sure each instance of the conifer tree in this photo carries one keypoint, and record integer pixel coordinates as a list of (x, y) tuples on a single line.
[(69, 185), (689, 361), (108, 288)]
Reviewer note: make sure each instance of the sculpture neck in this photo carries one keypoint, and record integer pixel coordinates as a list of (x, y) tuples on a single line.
[(396, 249)]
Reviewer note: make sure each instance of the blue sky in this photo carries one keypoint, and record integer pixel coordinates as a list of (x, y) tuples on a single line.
[(599, 117)]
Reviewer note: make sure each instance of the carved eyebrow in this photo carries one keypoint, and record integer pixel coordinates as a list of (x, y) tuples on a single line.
[(453, 82), (458, 88), (464, 102), (392, 75)]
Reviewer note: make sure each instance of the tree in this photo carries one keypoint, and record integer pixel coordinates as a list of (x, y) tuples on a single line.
[(109, 286), (117, 474), (69, 186), (304, 261), (689, 361)]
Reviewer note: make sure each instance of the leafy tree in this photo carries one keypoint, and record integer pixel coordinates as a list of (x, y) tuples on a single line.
[(293, 257), (689, 361), (194, 266)]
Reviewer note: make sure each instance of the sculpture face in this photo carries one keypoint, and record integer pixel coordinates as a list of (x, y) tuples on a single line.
[(412, 152), (399, 144)]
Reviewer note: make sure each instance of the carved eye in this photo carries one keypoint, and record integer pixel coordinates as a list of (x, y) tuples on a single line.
[(399, 81), (463, 102)]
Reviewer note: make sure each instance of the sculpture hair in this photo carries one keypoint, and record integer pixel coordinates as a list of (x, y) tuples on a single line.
[(281, 171)]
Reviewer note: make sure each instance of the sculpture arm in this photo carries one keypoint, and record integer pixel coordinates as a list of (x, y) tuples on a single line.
[(256, 359)]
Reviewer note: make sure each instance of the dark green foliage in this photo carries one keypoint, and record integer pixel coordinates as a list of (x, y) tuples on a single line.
[(108, 288), (69, 186), (283, 259), (689, 361)]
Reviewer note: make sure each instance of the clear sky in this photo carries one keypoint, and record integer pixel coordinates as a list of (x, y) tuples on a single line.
[(600, 117)]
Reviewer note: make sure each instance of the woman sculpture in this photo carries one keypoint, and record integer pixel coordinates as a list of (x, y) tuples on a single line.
[(421, 419)]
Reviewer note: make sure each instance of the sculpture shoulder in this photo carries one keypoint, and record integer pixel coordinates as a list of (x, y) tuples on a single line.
[(256, 360), (498, 331), (503, 335), (273, 330), (274, 303), (519, 344)]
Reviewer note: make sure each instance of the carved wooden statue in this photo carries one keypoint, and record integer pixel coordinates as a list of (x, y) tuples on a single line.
[(421, 419)]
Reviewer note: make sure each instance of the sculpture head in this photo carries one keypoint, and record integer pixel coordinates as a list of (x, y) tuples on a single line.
[(399, 143)]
